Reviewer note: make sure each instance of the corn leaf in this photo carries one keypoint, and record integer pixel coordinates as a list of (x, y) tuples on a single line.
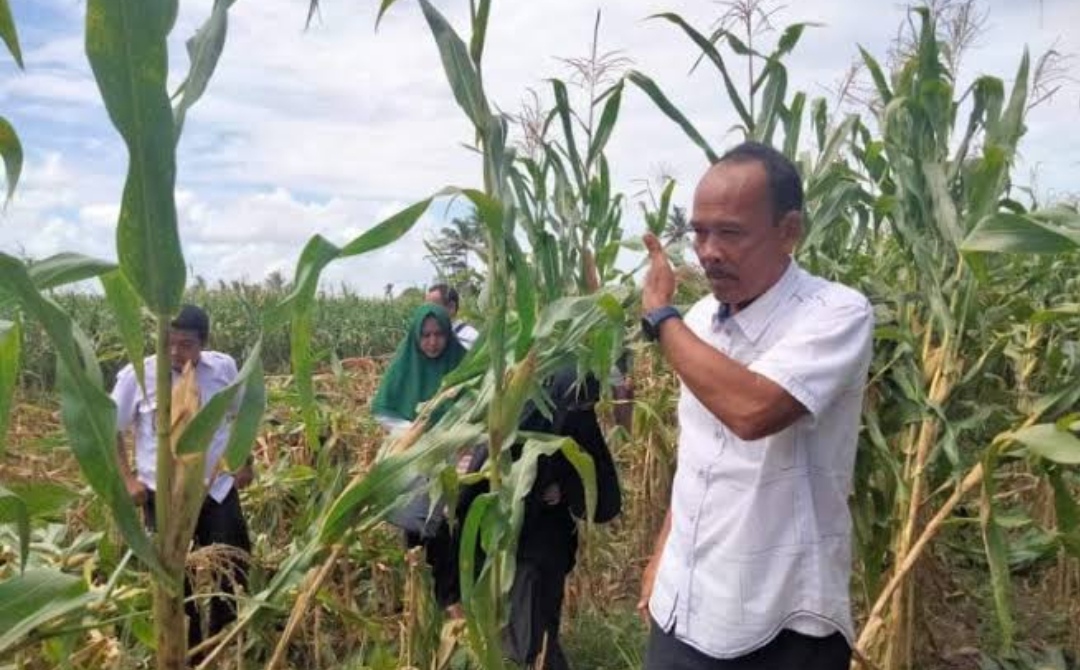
[(126, 45), (709, 50), (657, 96), (384, 6), (463, 76), (772, 104), (66, 268), (477, 594), (523, 473), (12, 153), (525, 297), (10, 353), (1008, 131), (8, 32), (607, 123), (480, 16), (562, 108), (793, 117), (204, 49), (245, 428), (125, 305), (13, 510), (1008, 233), (89, 415), (997, 552), (660, 219), (1066, 507), (298, 306), (37, 597), (878, 75), (381, 490), (1050, 442), (790, 38)]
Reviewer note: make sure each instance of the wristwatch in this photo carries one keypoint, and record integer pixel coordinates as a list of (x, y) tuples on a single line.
[(650, 322)]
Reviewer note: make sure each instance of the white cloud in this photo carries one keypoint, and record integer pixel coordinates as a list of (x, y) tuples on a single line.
[(329, 130)]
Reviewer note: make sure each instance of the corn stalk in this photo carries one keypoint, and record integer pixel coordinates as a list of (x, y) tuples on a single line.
[(126, 46)]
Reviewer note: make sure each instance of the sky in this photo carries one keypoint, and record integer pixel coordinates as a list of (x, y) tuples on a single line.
[(331, 129)]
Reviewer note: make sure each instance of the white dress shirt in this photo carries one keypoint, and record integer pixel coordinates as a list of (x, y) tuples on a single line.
[(466, 334), (760, 536), (213, 372)]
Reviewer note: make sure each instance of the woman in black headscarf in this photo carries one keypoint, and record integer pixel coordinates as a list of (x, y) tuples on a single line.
[(547, 545)]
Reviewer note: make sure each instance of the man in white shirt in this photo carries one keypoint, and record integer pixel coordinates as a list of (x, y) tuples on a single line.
[(221, 521), (447, 297), (752, 566)]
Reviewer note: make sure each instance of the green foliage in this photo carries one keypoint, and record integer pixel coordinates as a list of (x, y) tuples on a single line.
[(10, 347), (976, 369), (8, 32), (11, 150), (36, 597), (126, 45), (344, 324), (88, 413)]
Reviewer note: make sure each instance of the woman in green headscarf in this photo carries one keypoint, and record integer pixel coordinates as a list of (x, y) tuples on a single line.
[(429, 352)]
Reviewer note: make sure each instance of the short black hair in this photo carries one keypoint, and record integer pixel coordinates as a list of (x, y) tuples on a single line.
[(785, 184), (449, 293), (194, 319)]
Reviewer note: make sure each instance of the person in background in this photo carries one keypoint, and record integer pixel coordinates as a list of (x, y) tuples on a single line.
[(547, 545), (752, 566), (447, 297), (221, 519), (429, 352)]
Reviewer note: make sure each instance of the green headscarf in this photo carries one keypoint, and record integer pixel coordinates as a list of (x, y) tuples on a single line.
[(412, 377)]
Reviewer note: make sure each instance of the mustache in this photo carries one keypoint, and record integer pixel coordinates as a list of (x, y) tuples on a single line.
[(719, 272)]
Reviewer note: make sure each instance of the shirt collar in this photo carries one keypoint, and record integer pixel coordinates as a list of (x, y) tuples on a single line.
[(755, 317)]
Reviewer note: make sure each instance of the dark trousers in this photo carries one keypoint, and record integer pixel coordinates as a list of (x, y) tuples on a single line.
[(787, 651), (536, 599), (219, 523)]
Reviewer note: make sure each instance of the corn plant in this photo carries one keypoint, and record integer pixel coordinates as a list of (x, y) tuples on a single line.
[(908, 216), (10, 331), (525, 340), (126, 47), (568, 209)]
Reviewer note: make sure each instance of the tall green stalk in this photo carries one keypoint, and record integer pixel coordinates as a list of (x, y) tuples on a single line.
[(169, 615)]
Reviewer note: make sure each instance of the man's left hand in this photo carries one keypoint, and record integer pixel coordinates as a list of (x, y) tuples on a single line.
[(244, 476), (659, 287)]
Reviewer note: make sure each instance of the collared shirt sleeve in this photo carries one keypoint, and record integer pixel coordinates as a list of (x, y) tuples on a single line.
[(822, 357), (126, 396)]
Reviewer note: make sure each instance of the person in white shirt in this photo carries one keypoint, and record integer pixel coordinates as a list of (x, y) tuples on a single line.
[(447, 297), (221, 520), (751, 568)]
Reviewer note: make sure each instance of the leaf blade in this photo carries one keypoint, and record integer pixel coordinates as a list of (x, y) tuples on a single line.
[(126, 46), (12, 152)]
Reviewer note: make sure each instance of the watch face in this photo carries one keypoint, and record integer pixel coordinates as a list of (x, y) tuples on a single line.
[(648, 328)]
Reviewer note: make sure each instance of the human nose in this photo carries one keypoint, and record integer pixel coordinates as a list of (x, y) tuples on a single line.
[(709, 248)]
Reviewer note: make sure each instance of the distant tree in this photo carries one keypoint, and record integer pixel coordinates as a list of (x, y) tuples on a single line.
[(275, 282), (458, 252)]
